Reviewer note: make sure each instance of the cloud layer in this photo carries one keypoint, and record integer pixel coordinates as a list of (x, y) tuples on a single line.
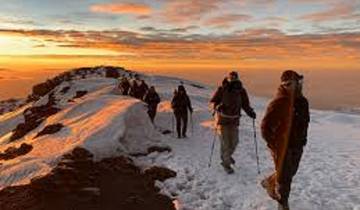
[(121, 8)]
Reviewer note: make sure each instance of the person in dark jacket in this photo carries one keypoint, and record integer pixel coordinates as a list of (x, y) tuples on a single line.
[(152, 99), (216, 99), (124, 86), (134, 90), (284, 129), (143, 88), (181, 104), (229, 100)]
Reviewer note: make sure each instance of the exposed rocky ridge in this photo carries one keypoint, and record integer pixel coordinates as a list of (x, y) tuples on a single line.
[(82, 184), (34, 116), (44, 88), (50, 129), (10, 105), (13, 152), (37, 114)]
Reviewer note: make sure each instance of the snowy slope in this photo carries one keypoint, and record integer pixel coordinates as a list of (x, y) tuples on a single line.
[(328, 178), (10, 105), (107, 124), (101, 122)]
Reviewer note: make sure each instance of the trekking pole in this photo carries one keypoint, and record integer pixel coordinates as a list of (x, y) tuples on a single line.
[(192, 124), (172, 125), (256, 148), (213, 147)]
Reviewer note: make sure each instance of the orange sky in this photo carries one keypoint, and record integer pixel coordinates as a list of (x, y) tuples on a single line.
[(202, 35)]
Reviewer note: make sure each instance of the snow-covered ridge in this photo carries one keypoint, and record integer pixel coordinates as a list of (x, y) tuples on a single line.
[(104, 123)]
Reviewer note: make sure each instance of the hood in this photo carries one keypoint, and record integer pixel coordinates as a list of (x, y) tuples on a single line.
[(235, 85)]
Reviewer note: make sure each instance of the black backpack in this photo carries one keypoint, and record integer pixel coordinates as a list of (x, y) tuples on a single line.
[(231, 102)]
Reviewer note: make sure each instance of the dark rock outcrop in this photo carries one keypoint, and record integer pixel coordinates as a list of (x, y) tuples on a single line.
[(197, 86), (82, 184), (34, 116), (80, 94), (50, 129), (13, 152), (151, 150), (65, 89), (158, 149), (159, 173), (112, 72)]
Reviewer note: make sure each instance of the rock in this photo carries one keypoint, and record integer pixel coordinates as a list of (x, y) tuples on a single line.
[(159, 173), (65, 89), (158, 149), (13, 152), (112, 73), (50, 129), (197, 86), (151, 150), (34, 116), (80, 94), (112, 184), (165, 132)]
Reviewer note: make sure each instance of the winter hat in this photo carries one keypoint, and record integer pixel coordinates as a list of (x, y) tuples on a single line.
[(181, 88), (291, 75), (225, 82), (234, 74)]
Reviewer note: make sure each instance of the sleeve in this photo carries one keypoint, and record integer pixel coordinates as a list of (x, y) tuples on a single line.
[(245, 103), (216, 98), (307, 120), (173, 102), (157, 98), (272, 120), (146, 98)]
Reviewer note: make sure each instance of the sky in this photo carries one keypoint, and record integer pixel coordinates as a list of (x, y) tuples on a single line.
[(181, 33)]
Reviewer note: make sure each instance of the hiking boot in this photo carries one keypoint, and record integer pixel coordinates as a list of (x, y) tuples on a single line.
[(271, 192), (227, 169), (283, 207)]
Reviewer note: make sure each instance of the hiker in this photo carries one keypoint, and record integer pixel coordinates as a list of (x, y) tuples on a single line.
[(134, 90), (216, 100), (181, 104), (284, 128), (124, 86), (152, 99), (143, 88), (228, 101)]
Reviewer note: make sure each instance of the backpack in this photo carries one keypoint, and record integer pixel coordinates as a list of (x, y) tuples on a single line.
[(231, 103)]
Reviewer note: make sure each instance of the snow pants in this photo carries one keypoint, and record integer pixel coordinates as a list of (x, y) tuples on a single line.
[(152, 112), (229, 136), (285, 173), (181, 123)]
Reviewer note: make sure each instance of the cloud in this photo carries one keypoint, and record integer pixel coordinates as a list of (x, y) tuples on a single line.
[(257, 43), (16, 21), (227, 20), (185, 11), (122, 8), (343, 10), (172, 30)]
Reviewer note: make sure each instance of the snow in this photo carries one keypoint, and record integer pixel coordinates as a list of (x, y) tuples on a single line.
[(105, 124), (108, 124), (328, 177)]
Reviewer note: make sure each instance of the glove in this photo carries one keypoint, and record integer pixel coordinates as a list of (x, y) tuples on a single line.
[(252, 115)]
